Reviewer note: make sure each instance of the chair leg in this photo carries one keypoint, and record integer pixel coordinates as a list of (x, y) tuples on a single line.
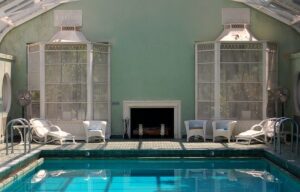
[(61, 141), (87, 140), (228, 139)]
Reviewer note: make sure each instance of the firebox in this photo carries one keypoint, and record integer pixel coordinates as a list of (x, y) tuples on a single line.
[(152, 122)]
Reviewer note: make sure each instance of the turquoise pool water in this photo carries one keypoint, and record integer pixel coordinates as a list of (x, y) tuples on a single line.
[(188, 175)]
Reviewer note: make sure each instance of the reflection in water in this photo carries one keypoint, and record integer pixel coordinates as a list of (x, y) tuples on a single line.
[(192, 180), (39, 176), (264, 175), (193, 175)]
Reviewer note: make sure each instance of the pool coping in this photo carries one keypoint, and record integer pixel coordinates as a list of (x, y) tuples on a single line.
[(20, 173), (28, 162)]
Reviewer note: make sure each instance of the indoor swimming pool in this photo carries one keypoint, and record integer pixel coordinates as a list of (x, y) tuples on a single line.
[(177, 174)]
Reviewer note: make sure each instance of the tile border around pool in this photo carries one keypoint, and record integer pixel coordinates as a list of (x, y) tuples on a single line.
[(20, 173), (18, 163), (290, 166), (275, 158)]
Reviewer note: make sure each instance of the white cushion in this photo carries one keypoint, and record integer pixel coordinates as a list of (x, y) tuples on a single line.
[(196, 124), (41, 127), (222, 125), (59, 134), (251, 133)]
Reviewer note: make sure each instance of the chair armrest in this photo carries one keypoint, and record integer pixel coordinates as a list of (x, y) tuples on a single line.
[(214, 126), (186, 124), (55, 127), (257, 127), (231, 126)]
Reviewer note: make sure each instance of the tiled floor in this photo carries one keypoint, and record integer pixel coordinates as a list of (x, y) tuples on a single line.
[(141, 145), (125, 145)]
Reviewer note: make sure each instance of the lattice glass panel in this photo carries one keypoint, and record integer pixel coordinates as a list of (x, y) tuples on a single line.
[(53, 58), (69, 57), (34, 67), (205, 53), (241, 76), (241, 56), (35, 95), (206, 92), (100, 73), (53, 93), (74, 73), (53, 73), (81, 57), (74, 111), (241, 91), (67, 93), (205, 80), (35, 110), (69, 73), (101, 47), (230, 79), (100, 58), (207, 56), (66, 81), (34, 62), (33, 81), (241, 110), (205, 110), (206, 73), (241, 72), (53, 111), (100, 92), (101, 81), (272, 66), (100, 111), (80, 93)]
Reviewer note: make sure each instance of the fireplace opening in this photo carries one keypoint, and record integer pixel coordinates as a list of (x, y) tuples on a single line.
[(152, 122)]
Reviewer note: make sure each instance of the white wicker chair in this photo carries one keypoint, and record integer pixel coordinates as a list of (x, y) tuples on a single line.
[(195, 128), (95, 129), (223, 128)]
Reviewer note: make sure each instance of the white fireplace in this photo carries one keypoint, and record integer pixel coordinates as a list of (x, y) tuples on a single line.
[(174, 104)]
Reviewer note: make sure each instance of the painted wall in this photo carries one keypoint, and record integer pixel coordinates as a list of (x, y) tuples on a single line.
[(152, 45)]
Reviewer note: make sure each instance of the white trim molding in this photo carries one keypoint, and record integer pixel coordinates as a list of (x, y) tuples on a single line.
[(175, 104)]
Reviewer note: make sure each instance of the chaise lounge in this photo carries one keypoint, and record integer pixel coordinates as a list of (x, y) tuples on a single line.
[(43, 129), (259, 132)]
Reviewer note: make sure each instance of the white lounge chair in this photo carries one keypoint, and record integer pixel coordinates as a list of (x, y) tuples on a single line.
[(259, 132), (44, 129), (223, 128), (95, 129), (195, 128)]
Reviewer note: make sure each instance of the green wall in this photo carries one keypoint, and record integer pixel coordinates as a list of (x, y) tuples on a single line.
[(152, 45)]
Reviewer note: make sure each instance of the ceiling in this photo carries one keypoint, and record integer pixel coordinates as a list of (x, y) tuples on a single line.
[(286, 11), (16, 12)]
